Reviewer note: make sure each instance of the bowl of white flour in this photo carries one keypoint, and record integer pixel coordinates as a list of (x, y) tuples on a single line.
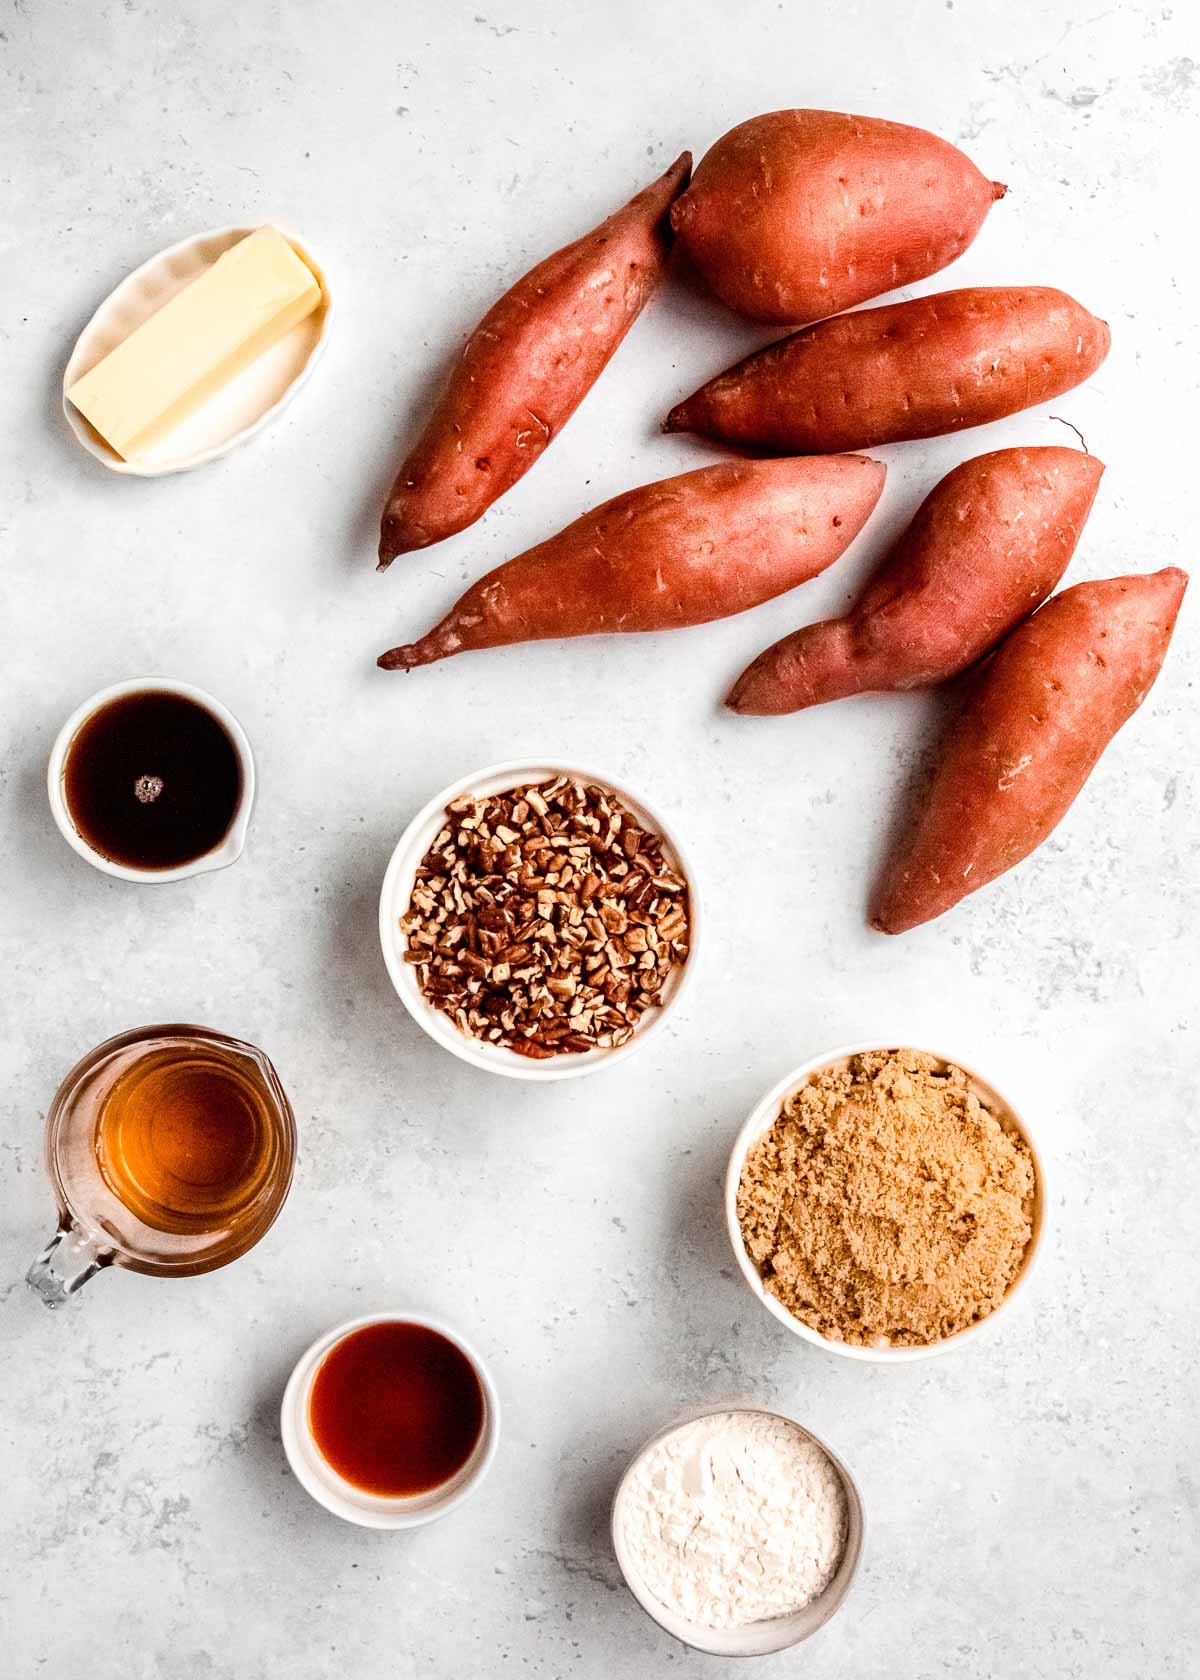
[(737, 1530)]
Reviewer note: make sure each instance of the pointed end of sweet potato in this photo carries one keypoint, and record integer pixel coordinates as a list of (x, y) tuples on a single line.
[(888, 912), (442, 642), (680, 172), (744, 697), (759, 693), (401, 533), (398, 659), (902, 901), (389, 544), (816, 663)]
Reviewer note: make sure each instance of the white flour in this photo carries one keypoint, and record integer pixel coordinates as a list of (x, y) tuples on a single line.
[(734, 1519)]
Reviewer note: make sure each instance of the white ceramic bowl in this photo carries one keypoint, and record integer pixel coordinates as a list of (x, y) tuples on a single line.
[(397, 891), (222, 855), (244, 405), (759, 1638), (763, 1118), (371, 1510)]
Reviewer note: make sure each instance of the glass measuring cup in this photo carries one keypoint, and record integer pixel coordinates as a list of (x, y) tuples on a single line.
[(170, 1150)]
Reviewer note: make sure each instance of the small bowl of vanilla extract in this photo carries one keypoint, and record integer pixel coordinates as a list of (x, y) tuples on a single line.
[(390, 1421), (152, 780)]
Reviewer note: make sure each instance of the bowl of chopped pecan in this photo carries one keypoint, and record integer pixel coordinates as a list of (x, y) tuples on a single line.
[(538, 921)]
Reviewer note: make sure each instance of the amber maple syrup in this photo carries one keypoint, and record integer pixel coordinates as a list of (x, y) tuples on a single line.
[(152, 780), (186, 1138), (396, 1408)]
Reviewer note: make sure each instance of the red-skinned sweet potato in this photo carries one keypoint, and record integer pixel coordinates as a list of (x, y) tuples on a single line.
[(683, 551), (986, 547), (796, 215), (526, 368), (1039, 715), (905, 370)]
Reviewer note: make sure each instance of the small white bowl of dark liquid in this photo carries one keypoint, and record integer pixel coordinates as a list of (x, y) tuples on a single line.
[(152, 780)]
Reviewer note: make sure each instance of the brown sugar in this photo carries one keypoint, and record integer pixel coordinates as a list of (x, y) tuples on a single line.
[(888, 1204)]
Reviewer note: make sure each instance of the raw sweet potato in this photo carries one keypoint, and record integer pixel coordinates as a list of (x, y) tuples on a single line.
[(987, 546), (1041, 712), (905, 370), (683, 551), (796, 215), (526, 368)]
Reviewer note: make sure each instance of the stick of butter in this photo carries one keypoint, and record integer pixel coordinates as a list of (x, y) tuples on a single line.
[(198, 341)]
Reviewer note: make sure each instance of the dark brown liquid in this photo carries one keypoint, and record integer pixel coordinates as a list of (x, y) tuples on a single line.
[(152, 780), (185, 1139), (396, 1409)]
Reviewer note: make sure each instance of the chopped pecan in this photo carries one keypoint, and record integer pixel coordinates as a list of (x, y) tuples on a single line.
[(529, 926)]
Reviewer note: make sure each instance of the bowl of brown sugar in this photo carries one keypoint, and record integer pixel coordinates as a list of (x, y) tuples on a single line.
[(885, 1203)]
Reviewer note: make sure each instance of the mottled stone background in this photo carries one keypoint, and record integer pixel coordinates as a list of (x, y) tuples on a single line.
[(1033, 1501)]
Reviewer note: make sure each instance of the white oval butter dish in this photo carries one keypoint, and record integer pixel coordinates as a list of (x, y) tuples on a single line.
[(240, 408)]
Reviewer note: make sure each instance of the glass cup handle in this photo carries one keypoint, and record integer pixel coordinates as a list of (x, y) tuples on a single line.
[(68, 1260)]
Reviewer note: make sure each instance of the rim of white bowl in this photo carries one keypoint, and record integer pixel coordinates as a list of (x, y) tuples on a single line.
[(397, 890), (759, 1638), (87, 436), (322, 1482), (763, 1116), (226, 851)]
